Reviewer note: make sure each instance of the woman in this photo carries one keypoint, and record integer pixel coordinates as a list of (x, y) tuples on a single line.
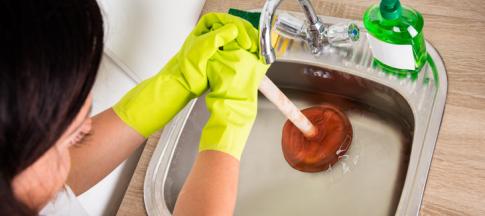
[(51, 150)]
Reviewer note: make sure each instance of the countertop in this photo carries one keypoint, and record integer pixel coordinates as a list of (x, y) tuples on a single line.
[(456, 182)]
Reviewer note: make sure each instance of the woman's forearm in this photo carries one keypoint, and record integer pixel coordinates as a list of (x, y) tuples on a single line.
[(110, 143), (211, 186)]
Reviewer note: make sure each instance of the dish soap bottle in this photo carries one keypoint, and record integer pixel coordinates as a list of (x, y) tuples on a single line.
[(395, 35)]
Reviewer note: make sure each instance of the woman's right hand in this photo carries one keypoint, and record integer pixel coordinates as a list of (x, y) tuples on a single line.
[(234, 75)]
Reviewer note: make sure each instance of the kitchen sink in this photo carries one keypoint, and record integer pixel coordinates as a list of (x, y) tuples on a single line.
[(395, 123)]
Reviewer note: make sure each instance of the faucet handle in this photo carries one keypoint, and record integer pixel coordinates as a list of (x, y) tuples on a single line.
[(342, 34), (337, 35)]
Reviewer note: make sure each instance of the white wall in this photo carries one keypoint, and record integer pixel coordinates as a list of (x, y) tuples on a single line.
[(144, 34), (141, 36)]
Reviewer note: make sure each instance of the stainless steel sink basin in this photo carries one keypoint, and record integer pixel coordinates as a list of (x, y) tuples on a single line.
[(395, 122)]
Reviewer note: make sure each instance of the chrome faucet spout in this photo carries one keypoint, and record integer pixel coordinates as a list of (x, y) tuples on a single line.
[(315, 29), (267, 14)]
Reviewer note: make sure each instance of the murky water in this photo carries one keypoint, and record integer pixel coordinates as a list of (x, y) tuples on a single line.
[(368, 180)]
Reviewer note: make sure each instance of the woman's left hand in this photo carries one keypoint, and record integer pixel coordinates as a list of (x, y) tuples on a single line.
[(153, 103)]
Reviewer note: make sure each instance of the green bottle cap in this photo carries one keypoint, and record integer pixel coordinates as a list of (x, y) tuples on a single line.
[(390, 9)]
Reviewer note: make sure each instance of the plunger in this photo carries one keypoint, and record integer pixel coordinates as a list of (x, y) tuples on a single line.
[(312, 139)]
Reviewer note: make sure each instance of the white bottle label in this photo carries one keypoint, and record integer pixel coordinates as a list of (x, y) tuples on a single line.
[(397, 56)]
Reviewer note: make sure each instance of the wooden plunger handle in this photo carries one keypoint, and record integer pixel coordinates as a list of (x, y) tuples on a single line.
[(278, 98)]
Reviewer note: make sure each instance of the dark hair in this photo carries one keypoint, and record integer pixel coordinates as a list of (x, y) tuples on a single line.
[(50, 51)]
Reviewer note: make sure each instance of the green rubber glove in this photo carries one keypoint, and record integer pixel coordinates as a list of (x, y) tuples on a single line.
[(154, 102), (234, 76)]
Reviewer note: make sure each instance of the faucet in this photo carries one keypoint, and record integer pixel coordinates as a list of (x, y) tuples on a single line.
[(315, 31)]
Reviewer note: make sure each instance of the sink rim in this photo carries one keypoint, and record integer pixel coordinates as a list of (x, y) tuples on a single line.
[(427, 124)]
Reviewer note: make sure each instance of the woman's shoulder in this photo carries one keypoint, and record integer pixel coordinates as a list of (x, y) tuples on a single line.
[(65, 203)]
